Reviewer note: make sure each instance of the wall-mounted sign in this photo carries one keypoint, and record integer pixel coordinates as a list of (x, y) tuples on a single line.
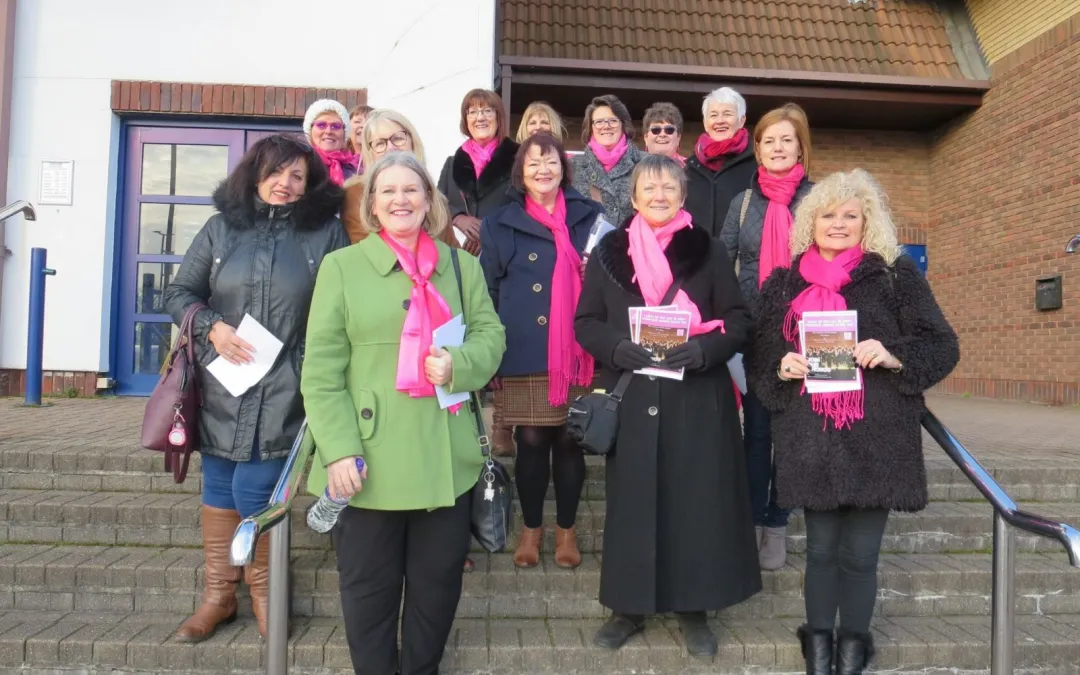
[(56, 183)]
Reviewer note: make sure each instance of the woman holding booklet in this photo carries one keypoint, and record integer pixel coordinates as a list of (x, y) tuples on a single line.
[(532, 262), (852, 451), (679, 534)]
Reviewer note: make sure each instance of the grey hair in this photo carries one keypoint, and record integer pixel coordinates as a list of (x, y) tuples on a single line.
[(658, 165), (724, 96)]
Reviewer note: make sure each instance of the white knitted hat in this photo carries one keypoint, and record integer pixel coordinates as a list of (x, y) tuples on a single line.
[(325, 105)]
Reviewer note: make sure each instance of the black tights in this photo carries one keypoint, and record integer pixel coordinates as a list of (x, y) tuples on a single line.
[(842, 548), (539, 449)]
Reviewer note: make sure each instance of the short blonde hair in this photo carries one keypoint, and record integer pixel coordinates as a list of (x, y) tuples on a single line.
[(879, 232), (541, 108), (374, 118), (438, 216)]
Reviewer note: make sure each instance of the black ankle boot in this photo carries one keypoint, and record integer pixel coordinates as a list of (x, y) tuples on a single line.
[(699, 638), (853, 652), (618, 629), (817, 649)]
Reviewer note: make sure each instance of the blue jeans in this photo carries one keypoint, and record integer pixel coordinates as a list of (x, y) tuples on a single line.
[(760, 464), (239, 486)]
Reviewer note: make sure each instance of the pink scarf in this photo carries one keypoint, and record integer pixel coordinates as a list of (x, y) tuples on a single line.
[(335, 161), (427, 311), (775, 236), (479, 154), (826, 278), (680, 159), (712, 154), (568, 363), (609, 158), (653, 273)]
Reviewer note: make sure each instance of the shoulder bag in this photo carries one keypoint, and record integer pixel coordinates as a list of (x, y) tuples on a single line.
[(171, 418), (593, 419), (493, 494)]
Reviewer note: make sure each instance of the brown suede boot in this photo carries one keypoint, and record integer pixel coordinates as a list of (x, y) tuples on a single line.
[(528, 548), (257, 577), (567, 554), (219, 595), (502, 442)]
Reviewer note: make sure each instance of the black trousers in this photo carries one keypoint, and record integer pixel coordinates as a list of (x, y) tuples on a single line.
[(379, 552), (842, 550)]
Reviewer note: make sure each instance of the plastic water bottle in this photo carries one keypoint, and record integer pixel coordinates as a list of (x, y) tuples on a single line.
[(324, 513)]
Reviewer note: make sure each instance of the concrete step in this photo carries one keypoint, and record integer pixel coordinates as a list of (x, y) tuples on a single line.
[(51, 642), (149, 579), (39, 465), (130, 518)]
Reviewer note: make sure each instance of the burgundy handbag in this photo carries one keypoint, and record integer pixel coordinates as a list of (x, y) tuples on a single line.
[(170, 421)]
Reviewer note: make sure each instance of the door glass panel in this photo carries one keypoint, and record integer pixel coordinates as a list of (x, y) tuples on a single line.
[(187, 170), (151, 280), (152, 344), (169, 228)]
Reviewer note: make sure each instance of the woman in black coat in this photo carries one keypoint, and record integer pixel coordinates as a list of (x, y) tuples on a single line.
[(258, 256), (532, 262), (848, 459), (679, 535), (476, 180)]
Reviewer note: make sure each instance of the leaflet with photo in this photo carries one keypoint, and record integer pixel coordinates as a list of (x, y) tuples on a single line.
[(660, 329), (828, 343)]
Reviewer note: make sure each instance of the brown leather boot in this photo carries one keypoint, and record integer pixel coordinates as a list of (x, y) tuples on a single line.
[(528, 548), (567, 554), (219, 595), (502, 442), (257, 577)]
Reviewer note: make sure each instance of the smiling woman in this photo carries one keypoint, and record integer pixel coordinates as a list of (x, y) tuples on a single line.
[(327, 127)]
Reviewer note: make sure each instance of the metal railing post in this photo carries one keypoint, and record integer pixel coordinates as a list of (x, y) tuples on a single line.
[(277, 626), (1002, 637), (35, 332)]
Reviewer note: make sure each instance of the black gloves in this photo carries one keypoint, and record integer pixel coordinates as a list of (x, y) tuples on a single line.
[(631, 356), (687, 355)]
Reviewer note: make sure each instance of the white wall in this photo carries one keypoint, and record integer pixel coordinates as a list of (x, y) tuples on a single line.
[(419, 56)]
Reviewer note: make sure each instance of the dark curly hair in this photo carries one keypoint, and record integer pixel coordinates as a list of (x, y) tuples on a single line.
[(267, 155)]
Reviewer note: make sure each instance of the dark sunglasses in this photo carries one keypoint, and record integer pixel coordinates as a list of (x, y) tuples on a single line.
[(669, 130), (322, 125)]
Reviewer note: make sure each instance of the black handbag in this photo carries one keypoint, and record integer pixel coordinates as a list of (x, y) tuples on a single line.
[(593, 419), (493, 494)]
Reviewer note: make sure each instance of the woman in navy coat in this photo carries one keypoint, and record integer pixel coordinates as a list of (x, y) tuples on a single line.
[(531, 252)]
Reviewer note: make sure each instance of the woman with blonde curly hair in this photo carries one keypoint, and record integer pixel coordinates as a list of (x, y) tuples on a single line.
[(848, 458), (540, 116)]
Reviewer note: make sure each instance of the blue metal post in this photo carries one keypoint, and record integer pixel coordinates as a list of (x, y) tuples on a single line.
[(35, 334)]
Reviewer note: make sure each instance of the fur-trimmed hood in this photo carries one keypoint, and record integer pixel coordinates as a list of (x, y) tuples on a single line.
[(688, 251), (496, 172), (310, 212)]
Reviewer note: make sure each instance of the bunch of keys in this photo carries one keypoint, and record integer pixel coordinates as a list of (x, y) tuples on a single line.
[(178, 435)]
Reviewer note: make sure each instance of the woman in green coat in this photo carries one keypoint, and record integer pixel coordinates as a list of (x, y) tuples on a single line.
[(369, 382)]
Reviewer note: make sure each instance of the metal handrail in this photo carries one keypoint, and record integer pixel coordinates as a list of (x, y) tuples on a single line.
[(274, 518), (1006, 513)]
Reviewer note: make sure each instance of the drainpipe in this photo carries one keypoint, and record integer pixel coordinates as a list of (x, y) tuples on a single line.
[(7, 72)]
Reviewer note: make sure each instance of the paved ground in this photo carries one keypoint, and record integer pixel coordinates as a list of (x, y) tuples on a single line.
[(991, 430)]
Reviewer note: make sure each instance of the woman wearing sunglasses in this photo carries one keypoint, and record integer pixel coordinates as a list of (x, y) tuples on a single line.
[(326, 125), (663, 131)]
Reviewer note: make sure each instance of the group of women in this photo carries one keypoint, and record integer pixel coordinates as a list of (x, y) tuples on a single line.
[(697, 502)]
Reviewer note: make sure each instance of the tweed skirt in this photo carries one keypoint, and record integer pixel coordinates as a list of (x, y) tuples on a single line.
[(523, 401)]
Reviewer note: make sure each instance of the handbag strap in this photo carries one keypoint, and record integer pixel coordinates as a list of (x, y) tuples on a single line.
[(474, 400)]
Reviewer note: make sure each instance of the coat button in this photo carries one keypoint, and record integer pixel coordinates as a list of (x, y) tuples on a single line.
[(653, 410), (217, 260), (366, 413), (652, 378), (533, 257), (405, 304), (542, 320), (537, 288)]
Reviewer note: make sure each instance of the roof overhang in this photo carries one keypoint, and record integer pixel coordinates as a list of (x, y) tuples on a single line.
[(832, 100)]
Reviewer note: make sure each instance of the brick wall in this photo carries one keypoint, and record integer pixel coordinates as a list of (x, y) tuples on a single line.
[(1005, 198), (53, 383), (1004, 25), (204, 98)]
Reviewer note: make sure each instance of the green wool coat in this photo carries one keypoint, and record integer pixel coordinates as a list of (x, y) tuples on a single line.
[(418, 455)]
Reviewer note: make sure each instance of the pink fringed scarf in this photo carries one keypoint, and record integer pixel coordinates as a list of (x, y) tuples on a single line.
[(427, 311), (480, 154), (336, 161), (653, 272), (826, 278), (568, 362), (609, 158), (776, 234)]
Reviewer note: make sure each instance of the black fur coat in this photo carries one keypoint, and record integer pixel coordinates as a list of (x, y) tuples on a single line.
[(878, 461), (478, 197)]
